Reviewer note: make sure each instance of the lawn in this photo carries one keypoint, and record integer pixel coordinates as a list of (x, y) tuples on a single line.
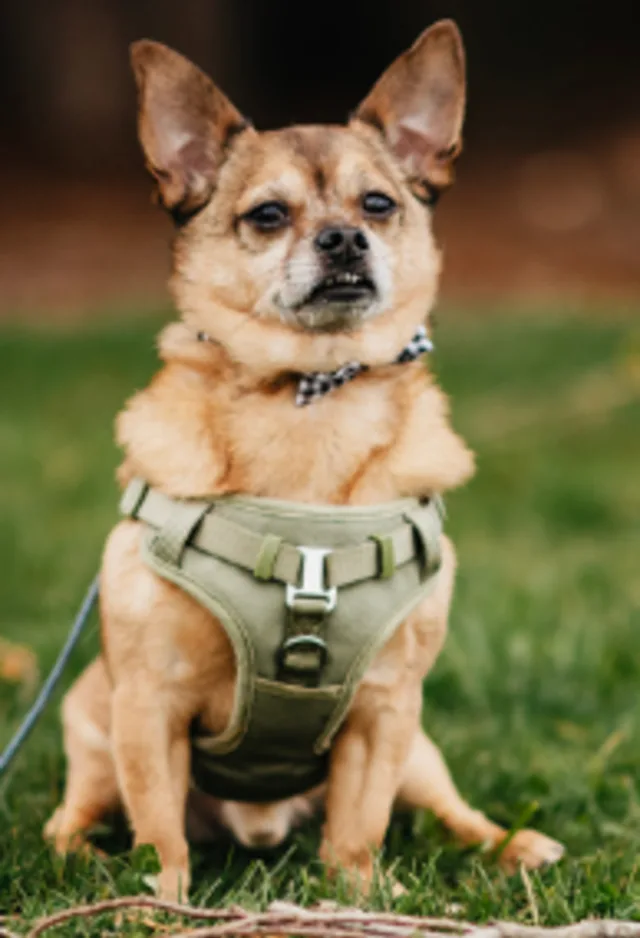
[(534, 700)]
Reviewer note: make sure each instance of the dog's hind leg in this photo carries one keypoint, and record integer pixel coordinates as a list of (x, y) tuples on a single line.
[(427, 783), (92, 788)]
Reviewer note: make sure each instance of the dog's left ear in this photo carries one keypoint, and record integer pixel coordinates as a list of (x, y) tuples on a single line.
[(418, 104)]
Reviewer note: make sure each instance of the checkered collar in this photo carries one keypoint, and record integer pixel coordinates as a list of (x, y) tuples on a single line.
[(315, 384)]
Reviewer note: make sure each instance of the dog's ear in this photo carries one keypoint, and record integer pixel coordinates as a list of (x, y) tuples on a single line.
[(418, 105), (184, 125)]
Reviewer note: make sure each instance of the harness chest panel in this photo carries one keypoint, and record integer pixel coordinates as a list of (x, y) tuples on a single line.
[(308, 595)]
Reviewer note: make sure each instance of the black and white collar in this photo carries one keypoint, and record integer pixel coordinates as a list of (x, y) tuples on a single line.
[(315, 384)]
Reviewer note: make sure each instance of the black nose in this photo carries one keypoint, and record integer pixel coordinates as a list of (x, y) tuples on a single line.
[(342, 243)]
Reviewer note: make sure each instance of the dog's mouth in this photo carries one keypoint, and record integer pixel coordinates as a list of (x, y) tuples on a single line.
[(346, 287)]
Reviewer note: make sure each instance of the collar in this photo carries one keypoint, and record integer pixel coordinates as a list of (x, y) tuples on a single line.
[(315, 384)]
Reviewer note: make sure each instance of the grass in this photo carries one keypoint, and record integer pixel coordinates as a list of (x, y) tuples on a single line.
[(535, 697)]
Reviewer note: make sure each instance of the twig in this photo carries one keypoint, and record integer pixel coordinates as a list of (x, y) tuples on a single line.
[(286, 920), (591, 928), (128, 902), (586, 929)]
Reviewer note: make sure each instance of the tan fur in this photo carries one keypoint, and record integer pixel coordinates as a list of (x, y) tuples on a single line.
[(220, 418)]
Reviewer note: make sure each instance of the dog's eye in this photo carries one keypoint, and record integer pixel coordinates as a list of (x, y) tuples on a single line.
[(269, 216), (378, 204)]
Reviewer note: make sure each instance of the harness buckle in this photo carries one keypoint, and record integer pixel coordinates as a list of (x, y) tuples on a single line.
[(303, 654), (312, 591)]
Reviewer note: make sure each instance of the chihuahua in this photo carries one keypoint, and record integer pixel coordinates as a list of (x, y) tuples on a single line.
[(309, 252)]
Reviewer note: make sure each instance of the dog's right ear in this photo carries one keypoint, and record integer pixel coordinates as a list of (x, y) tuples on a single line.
[(184, 123)]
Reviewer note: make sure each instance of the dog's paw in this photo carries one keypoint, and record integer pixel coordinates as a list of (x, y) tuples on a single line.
[(353, 869), (530, 849), (51, 828), (171, 884), (65, 841)]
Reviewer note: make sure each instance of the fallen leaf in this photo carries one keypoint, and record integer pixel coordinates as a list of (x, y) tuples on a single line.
[(18, 665)]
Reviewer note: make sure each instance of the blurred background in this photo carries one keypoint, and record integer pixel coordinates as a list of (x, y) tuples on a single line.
[(548, 198)]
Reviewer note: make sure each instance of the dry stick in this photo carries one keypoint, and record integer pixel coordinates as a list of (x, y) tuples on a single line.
[(285, 919), (587, 929), (129, 902), (359, 916), (279, 915), (308, 924), (242, 930), (591, 928)]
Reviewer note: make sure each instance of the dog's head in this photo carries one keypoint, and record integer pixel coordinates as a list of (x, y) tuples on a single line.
[(317, 229)]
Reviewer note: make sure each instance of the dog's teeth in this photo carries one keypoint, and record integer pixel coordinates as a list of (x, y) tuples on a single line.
[(342, 278)]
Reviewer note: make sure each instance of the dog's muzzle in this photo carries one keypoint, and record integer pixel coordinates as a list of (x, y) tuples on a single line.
[(347, 280)]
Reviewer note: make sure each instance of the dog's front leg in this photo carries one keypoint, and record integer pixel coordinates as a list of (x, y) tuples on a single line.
[(366, 769), (152, 761)]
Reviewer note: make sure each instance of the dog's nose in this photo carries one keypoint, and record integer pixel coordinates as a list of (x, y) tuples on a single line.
[(342, 243)]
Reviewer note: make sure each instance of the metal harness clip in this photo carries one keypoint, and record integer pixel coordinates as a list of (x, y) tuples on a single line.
[(312, 588)]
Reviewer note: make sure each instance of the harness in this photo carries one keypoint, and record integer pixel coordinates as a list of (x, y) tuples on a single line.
[(308, 595)]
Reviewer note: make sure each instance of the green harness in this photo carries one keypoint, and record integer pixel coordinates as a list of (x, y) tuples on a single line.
[(308, 595)]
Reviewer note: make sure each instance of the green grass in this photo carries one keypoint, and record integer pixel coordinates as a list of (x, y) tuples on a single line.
[(534, 700)]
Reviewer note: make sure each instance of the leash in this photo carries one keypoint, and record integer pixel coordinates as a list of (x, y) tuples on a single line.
[(49, 685)]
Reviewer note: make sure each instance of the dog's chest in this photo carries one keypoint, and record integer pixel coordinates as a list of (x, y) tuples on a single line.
[(312, 453)]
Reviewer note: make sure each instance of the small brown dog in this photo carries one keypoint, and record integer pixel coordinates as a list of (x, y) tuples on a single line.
[(297, 252)]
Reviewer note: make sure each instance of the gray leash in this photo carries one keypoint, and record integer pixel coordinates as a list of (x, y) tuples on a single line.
[(49, 685)]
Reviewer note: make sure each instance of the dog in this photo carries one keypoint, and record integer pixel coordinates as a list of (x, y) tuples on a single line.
[(303, 262)]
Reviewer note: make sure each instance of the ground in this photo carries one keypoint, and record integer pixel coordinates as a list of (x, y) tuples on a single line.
[(534, 700)]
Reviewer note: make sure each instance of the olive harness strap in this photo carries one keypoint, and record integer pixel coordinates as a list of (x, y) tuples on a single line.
[(311, 575)]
